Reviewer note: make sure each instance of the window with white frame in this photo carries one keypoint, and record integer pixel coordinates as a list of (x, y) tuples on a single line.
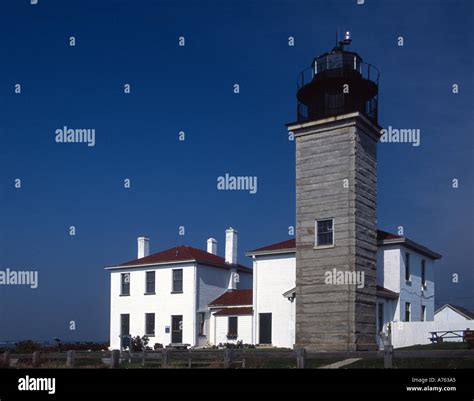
[(324, 230), (177, 280), (232, 327), (149, 324), (407, 311), (150, 282), (125, 284)]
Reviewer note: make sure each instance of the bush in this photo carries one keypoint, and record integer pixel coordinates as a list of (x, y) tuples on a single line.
[(157, 346), (27, 347), (139, 343), (238, 345), (30, 346)]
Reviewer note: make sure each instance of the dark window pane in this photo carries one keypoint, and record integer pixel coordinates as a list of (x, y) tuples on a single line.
[(380, 317), (125, 290), (325, 232), (407, 267), (232, 329), (150, 282), (178, 280), (423, 272), (150, 323), (125, 324)]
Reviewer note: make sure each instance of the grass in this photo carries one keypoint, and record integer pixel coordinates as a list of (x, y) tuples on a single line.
[(56, 364), (421, 363), (414, 363), (437, 346), (288, 363)]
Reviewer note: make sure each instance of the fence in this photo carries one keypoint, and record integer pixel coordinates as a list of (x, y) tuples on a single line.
[(221, 358), (405, 334)]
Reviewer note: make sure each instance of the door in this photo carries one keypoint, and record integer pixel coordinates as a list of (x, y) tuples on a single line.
[(124, 331), (177, 329), (125, 324), (265, 330), (380, 318)]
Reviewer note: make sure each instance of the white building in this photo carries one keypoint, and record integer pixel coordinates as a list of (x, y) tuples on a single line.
[(273, 294), (405, 287), (185, 295), (455, 314), (166, 295), (231, 318)]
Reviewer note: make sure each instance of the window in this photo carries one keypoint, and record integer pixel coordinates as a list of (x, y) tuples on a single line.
[(324, 232), (178, 280), (407, 267), (201, 316), (423, 273), (232, 327), (407, 311), (125, 280), (423, 313), (150, 282), (125, 324), (150, 324)]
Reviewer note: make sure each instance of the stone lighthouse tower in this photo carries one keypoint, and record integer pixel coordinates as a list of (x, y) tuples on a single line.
[(336, 136)]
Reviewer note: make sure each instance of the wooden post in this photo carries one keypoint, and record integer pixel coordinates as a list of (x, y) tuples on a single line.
[(243, 360), (36, 359), (227, 358), (387, 356), (115, 359), (6, 359), (70, 359), (189, 360), (143, 357), (300, 358), (387, 351), (164, 358)]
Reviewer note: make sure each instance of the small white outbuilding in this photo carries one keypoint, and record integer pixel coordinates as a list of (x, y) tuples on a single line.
[(455, 314)]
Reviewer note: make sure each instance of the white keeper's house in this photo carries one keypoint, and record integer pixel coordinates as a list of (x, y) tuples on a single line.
[(166, 295), (186, 295)]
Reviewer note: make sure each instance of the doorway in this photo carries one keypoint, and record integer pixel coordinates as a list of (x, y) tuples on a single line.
[(265, 330), (177, 329)]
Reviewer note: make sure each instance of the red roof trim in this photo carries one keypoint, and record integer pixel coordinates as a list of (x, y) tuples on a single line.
[(288, 244), (184, 254), (386, 293), (235, 311), (291, 243), (234, 298)]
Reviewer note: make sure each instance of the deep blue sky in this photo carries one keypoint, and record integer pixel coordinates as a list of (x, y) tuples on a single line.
[(190, 89)]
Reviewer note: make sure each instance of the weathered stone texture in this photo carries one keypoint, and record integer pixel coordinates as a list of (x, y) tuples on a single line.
[(336, 317)]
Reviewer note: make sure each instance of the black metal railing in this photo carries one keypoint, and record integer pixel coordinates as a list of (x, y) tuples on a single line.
[(304, 113), (344, 68), (328, 103)]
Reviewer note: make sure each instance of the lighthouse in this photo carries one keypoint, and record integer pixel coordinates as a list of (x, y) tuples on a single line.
[(336, 134)]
